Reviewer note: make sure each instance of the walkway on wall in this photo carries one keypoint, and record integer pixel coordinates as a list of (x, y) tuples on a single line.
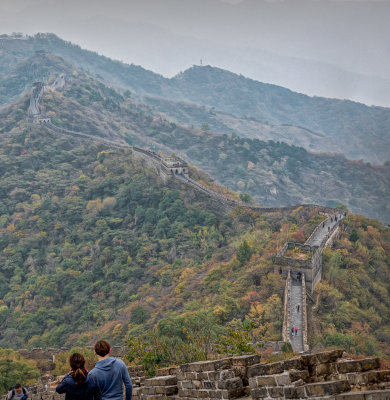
[(296, 319), (321, 232)]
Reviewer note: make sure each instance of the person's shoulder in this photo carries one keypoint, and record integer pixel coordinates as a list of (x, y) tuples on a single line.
[(121, 362), (92, 372), (68, 378)]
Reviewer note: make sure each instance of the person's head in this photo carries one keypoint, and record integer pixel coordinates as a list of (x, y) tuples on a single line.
[(77, 363), (18, 388), (102, 348)]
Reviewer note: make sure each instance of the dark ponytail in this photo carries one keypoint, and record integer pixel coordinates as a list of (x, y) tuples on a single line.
[(77, 363)]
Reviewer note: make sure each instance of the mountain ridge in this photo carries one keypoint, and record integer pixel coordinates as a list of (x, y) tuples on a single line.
[(275, 174), (344, 123)]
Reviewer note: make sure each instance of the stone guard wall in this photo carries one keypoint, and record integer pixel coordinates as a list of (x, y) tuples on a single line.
[(304, 315), (286, 310), (326, 375)]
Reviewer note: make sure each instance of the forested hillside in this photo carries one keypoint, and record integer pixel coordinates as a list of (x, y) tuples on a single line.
[(352, 303), (93, 244), (272, 173), (231, 103)]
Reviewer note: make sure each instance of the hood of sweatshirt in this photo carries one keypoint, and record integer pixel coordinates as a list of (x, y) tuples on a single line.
[(105, 365)]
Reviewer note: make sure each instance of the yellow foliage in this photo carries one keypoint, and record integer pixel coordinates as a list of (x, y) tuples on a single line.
[(11, 227)]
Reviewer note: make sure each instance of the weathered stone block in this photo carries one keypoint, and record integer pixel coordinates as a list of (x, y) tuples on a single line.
[(351, 396), (166, 390), (265, 369), (189, 376), (355, 378), (327, 388), (214, 394), (232, 393), (181, 376), (137, 391), (377, 376), (346, 366), (246, 361), (283, 379), (259, 393), (370, 363), (162, 372), (276, 392), (293, 363), (241, 372), (325, 369), (292, 392), (309, 360), (149, 390), (297, 375), (225, 374), (215, 365), (330, 356), (261, 381), (161, 381), (209, 385), (184, 368), (229, 384), (199, 394)]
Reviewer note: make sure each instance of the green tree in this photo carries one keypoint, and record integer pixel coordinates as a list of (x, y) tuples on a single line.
[(244, 252), (62, 359), (354, 237), (15, 369)]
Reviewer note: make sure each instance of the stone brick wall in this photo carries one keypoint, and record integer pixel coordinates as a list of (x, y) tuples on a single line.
[(325, 375), (286, 310), (304, 315)]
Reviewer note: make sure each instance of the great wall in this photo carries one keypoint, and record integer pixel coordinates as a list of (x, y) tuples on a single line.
[(326, 375)]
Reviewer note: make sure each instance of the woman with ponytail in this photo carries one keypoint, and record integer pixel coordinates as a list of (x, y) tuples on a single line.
[(78, 385)]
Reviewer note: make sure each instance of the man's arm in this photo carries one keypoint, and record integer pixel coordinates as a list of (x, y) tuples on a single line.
[(127, 381)]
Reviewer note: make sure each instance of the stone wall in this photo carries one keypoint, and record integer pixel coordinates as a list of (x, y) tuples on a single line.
[(312, 269), (304, 315), (286, 310), (325, 375)]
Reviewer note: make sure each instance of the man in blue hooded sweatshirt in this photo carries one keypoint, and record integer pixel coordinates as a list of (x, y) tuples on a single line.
[(109, 373)]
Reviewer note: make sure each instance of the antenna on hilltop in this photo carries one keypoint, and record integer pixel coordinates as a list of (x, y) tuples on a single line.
[(201, 62)]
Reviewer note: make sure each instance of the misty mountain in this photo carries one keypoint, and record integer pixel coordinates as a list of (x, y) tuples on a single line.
[(232, 103), (328, 48)]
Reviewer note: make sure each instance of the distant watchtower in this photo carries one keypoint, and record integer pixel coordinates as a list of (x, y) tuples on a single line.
[(176, 165)]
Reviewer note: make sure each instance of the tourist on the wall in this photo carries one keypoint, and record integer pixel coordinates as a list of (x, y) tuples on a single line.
[(111, 374), (78, 384), (18, 393)]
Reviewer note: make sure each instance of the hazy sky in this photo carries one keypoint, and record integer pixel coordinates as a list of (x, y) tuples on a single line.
[(336, 48)]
